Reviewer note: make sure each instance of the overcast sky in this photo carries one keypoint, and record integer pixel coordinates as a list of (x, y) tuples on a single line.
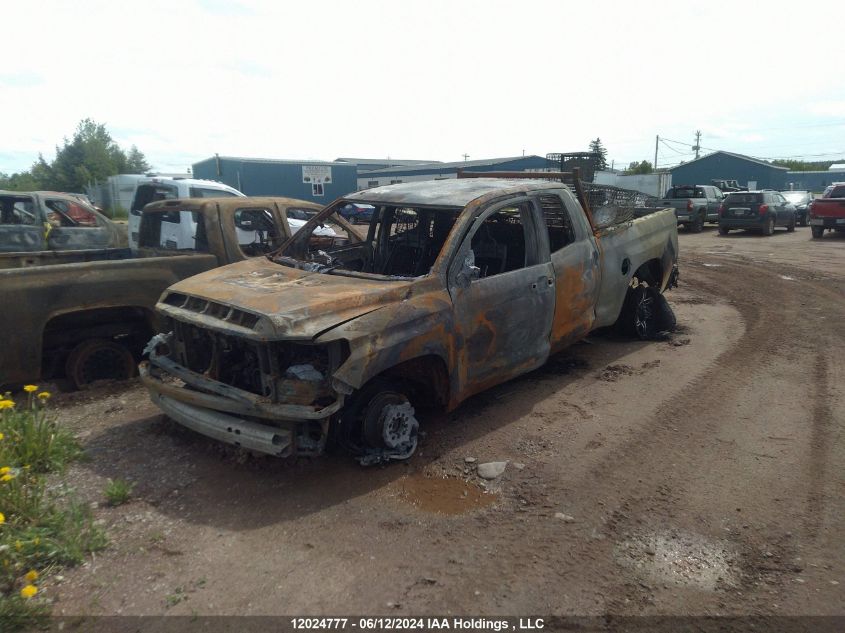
[(408, 79)]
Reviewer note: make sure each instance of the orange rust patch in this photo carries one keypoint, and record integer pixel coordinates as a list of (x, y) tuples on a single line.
[(446, 496)]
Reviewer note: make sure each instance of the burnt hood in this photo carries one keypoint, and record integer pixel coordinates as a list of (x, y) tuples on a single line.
[(264, 300)]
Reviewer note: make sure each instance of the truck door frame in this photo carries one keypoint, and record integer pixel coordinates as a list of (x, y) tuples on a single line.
[(503, 321)]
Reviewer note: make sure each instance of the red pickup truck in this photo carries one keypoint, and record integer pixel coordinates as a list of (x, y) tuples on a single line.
[(828, 212)]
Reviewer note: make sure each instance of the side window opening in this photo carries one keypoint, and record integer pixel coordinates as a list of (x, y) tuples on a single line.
[(176, 230), (17, 211), (145, 194), (558, 222), (499, 243), (63, 213), (204, 192), (257, 231)]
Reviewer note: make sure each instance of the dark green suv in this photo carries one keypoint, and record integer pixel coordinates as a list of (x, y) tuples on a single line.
[(756, 210)]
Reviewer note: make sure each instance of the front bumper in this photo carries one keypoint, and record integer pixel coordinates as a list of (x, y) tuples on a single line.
[(253, 436), (233, 415)]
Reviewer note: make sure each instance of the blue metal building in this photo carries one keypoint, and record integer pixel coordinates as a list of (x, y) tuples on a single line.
[(730, 166), (317, 181), (812, 180), (436, 171)]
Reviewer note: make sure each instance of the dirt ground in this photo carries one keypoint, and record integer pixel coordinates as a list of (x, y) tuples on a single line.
[(702, 474)]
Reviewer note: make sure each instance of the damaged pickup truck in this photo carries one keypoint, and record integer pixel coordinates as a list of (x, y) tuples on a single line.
[(85, 314), (453, 287)]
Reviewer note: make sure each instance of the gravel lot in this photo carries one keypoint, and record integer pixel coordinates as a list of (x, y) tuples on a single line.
[(702, 474)]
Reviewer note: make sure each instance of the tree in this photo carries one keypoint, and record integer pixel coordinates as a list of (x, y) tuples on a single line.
[(598, 148), (803, 165), (91, 155), (136, 163), (643, 167)]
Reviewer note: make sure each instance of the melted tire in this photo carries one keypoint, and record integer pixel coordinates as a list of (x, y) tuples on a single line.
[(99, 359)]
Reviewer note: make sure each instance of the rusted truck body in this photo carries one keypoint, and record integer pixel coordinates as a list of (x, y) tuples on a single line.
[(86, 314), (453, 287)]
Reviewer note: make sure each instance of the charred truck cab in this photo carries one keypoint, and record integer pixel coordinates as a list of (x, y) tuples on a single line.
[(345, 334)]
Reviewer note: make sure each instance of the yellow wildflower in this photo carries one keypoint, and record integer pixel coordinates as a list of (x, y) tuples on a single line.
[(2, 436), (30, 388), (5, 469), (2, 518), (7, 477), (6, 404), (36, 541), (18, 545), (44, 395), (31, 576), (29, 591)]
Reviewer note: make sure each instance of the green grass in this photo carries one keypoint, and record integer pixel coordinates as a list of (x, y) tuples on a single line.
[(39, 531), (33, 438), (118, 491)]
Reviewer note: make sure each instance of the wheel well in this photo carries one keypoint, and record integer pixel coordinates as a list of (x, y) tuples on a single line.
[(129, 325), (427, 376), (650, 272)]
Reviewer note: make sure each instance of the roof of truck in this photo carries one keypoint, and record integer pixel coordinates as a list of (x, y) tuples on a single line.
[(452, 192)]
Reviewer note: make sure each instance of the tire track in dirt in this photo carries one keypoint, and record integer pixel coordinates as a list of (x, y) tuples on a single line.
[(649, 457)]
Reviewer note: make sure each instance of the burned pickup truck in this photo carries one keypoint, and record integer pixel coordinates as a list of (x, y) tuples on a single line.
[(85, 313), (454, 286)]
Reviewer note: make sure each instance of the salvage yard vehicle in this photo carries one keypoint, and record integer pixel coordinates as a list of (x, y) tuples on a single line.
[(156, 188), (52, 224), (456, 286), (756, 210), (86, 314), (801, 200), (828, 212), (694, 205)]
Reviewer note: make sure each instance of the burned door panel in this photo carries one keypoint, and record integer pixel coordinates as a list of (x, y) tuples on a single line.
[(575, 259), (72, 226), (502, 288)]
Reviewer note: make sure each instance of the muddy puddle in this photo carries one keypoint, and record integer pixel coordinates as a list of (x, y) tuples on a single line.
[(681, 559), (439, 495)]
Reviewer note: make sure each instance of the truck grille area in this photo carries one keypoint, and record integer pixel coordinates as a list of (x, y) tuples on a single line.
[(283, 372), (228, 359)]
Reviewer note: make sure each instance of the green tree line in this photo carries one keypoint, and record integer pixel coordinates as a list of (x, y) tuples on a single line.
[(91, 155)]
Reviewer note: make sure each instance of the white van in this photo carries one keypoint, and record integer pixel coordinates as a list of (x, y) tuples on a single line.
[(163, 188)]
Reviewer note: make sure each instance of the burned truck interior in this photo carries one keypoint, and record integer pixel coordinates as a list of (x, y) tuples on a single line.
[(405, 242)]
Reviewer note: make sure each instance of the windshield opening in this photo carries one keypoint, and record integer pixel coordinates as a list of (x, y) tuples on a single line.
[(398, 241)]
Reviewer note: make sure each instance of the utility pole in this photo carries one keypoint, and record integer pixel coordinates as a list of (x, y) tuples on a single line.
[(465, 157), (697, 145), (656, 141)]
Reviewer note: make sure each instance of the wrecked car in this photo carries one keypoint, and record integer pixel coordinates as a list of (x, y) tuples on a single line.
[(85, 315), (453, 287), (47, 221)]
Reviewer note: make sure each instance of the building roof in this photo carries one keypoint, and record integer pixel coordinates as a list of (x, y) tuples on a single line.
[(732, 155), (827, 172), (461, 164), (384, 161), (451, 192), (270, 160)]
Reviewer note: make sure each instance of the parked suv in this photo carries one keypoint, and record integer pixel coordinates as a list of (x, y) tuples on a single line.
[(801, 200), (756, 210)]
